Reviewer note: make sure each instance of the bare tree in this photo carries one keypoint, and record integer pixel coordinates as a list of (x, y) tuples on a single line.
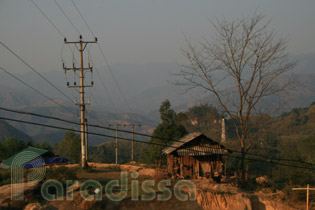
[(240, 66)]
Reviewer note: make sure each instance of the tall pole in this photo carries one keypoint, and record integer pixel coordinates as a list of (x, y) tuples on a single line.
[(223, 131), (82, 45), (133, 130), (86, 138), (82, 108), (116, 147)]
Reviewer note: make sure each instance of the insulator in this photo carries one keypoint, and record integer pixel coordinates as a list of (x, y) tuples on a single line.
[(92, 83), (65, 39), (74, 83), (96, 39), (81, 37), (67, 83)]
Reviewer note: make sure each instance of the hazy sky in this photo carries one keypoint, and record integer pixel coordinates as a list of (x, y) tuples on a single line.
[(138, 31)]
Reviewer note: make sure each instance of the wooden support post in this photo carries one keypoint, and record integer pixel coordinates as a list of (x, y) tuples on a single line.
[(307, 194)]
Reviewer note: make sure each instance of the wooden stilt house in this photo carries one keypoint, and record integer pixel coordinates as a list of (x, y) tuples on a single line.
[(195, 156)]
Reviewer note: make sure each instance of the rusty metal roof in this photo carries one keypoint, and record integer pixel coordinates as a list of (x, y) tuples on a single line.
[(203, 149)]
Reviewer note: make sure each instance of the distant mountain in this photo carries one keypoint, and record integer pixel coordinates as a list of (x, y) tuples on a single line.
[(105, 152), (145, 87), (53, 136), (306, 63), (7, 131)]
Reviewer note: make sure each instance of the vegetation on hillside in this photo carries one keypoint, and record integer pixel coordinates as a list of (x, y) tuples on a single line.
[(168, 130), (7, 131), (105, 153), (290, 136), (69, 147)]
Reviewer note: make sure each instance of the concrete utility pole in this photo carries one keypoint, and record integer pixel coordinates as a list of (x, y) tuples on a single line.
[(133, 130), (116, 125), (307, 194), (81, 45)]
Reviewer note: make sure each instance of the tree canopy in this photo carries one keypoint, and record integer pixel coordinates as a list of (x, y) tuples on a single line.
[(70, 147), (167, 131)]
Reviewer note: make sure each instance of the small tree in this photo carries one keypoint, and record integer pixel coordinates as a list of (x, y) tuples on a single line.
[(70, 146), (167, 131), (239, 66), (10, 147)]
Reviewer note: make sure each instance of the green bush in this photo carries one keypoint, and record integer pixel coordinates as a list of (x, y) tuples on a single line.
[(5, 177)]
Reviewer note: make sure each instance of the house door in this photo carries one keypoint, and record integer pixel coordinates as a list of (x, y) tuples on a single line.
[(204, 168)]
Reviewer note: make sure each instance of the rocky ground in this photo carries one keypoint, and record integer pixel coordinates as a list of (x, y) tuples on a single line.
[(209, 196)]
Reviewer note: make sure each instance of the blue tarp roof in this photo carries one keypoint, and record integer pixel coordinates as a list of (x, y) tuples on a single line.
[(30, 158)]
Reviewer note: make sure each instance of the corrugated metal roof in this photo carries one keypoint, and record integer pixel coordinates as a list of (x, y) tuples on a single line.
[(195, 150), (203, 149), (181, 142)]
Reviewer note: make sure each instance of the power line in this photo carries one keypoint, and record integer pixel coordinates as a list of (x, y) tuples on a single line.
[(106, 90), (42, 94), (67, 17), (103, 55), (41, 11), (114, 78), (83, 18), (34, 70), (145, 142), (63, 12), (59, 30), (140, 134)]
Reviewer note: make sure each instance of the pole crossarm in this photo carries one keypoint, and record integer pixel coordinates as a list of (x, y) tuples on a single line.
[(78, 69), (303, 188)]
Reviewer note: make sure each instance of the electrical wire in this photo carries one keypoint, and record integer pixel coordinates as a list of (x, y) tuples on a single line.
[(114, 78), (106, 62), (61, 32), (41, 11), (42, 94), (146, 142), (63, 12), (126, 131), (69, 20), (104, 86), (83, 18), (124, 98), (34, 70)]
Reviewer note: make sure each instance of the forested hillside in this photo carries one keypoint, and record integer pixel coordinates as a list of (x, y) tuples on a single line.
[(286, 139), (7, 131)]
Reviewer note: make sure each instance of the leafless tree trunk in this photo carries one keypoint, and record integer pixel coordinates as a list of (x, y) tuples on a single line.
[(240, 65)]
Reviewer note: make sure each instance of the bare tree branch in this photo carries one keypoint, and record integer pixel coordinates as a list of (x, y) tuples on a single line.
[(246, 55)]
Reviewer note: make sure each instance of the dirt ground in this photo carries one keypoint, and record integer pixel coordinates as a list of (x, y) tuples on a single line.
[(209, 195)]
